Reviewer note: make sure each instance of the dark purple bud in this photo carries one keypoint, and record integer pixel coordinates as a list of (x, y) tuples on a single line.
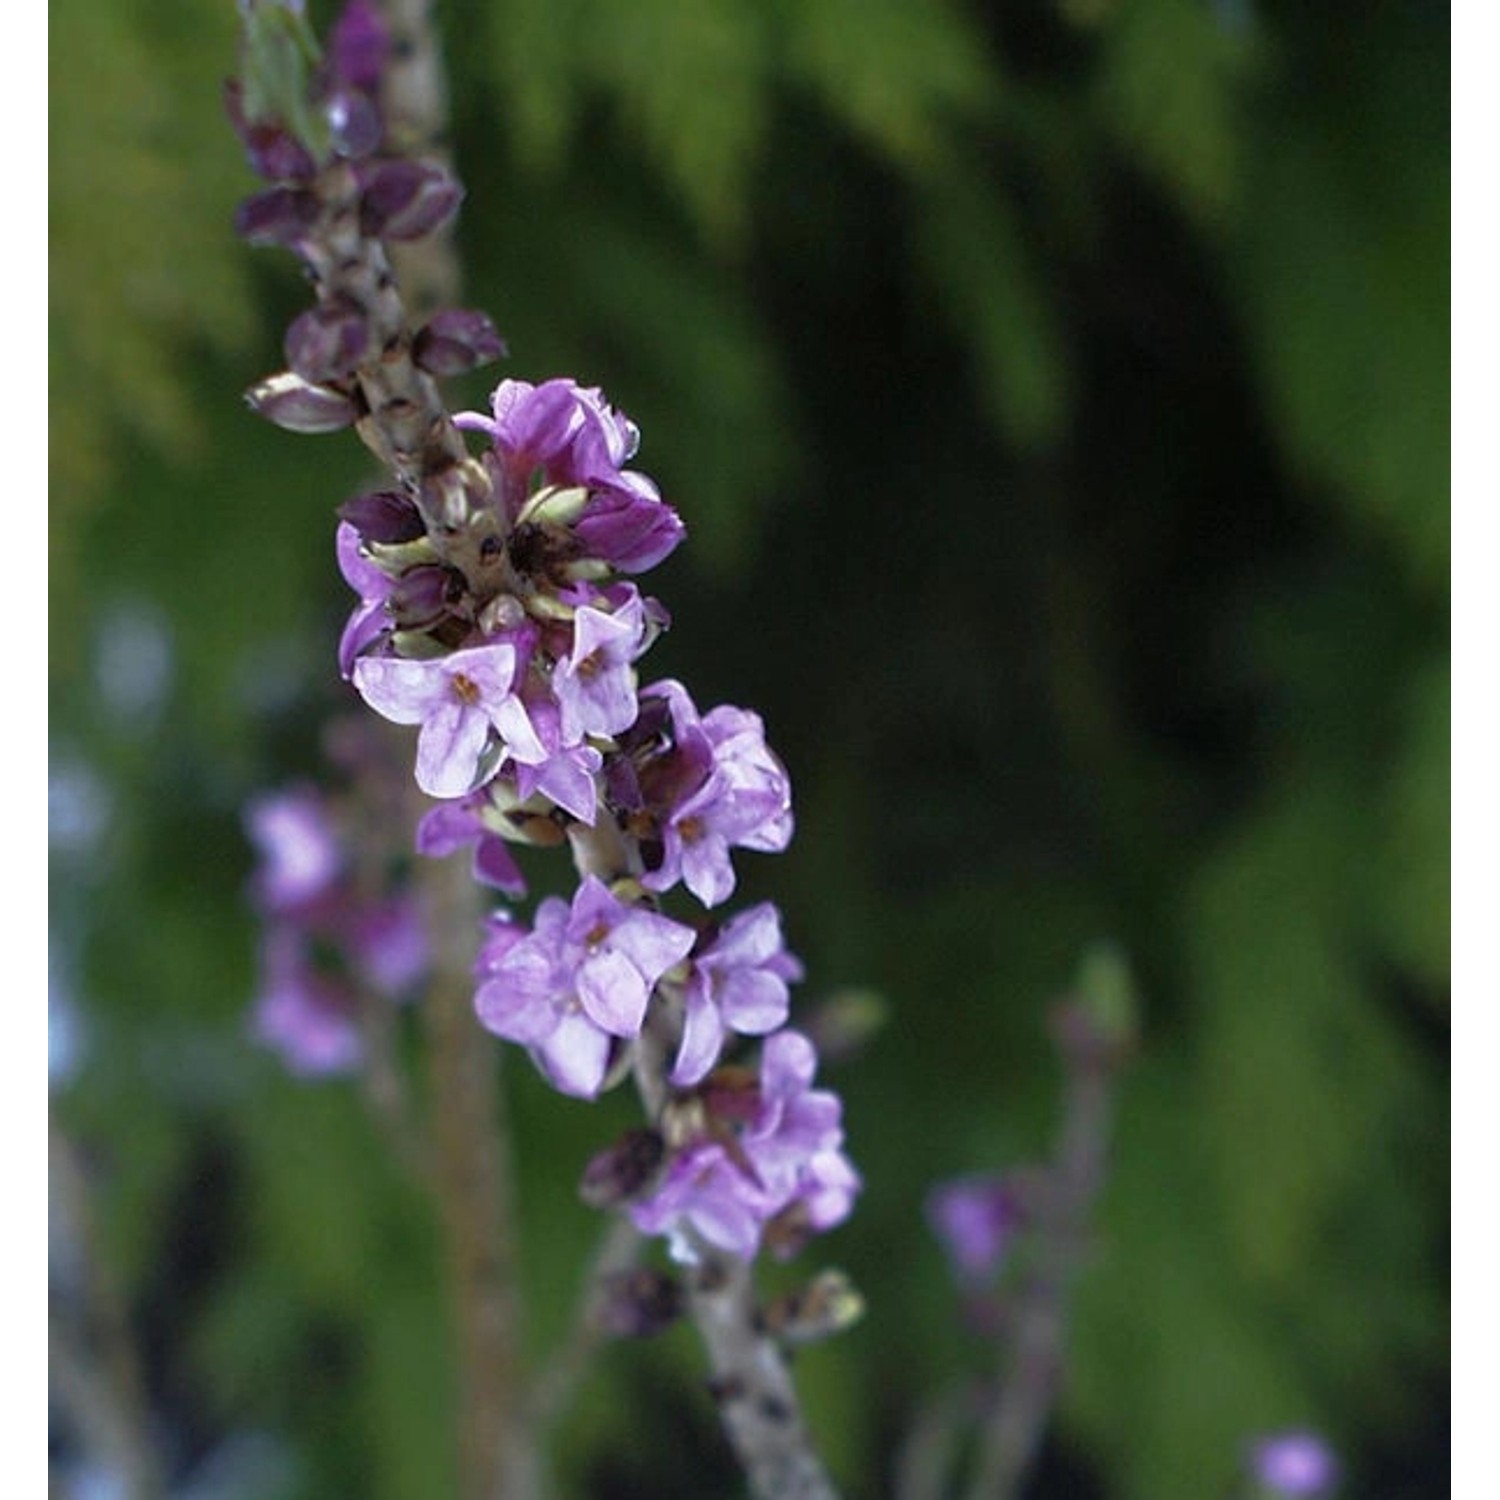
[(273, 152), (630, 531), (300, 406), (278, 216), (422, 595), (327, 342), (404, 200), (358, 46), (354, 122), (637, 1304), (620, 1171), (457, 340), (386, 517)]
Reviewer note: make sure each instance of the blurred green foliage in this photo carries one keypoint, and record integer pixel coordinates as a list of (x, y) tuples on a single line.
[(1056, 392)]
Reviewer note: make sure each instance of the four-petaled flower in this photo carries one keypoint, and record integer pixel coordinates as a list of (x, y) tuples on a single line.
[(594, 683), (737, 983), (771, 1167), (579, 980), (459, 700), (726, 789)]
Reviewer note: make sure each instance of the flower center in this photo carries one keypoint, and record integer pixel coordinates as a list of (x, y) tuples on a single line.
[(465, 689)]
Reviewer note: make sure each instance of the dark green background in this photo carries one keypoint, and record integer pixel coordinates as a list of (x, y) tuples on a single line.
[(1057, 398)]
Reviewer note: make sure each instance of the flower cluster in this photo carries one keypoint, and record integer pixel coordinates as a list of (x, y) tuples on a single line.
[(498, 615), (328, 944)]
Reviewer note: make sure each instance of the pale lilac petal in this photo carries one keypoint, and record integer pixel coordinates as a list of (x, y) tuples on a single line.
[(613, 992), (398, 689), (652, 943), (448, 749), (568, 779), (515, 1002), (706, 869), (575, 1057), (753, 1001), (445, 830), (365, 625), (702, 1040), (510, 718)]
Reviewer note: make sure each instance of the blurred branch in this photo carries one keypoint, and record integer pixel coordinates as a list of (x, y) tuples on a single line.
[(93, 1367), (523, 1464), (1092, 1033), (474, 1182)]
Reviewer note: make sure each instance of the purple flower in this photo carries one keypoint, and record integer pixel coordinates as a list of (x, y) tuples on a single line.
[(976, 1218), (737, 982), (570, 437), (631, 528), (1295, 1464), (769, 1168), (385, 942), (582, 977), (370, 620), (300, 858), (452, 826), (308, 1018), (459, 700), (566, 432), (594, 683), (720, 787), (567, 774)]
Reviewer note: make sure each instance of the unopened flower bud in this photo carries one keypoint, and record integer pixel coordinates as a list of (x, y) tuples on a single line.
[(844, 1023), (421, 596), (637, 1304), (1096, 1026), (620, 1171), (301, 406), (353, 123), (829, 1304), (404, 200), (385, 517), (327, 342), (359, 44), (278, 216), (273, 152), (457, 340)]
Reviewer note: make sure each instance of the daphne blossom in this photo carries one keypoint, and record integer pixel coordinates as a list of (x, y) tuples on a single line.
[(579, 980), (767, 1167), (460, 700)]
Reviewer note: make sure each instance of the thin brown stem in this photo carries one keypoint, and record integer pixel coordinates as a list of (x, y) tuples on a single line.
[(93, 1365), (525, 1471), (473, 1180), (1017, 1419)]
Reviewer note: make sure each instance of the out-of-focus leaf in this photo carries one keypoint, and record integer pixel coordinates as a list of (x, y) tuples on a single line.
[(137, 143), (1170, 89), (898, 75), (1412, 897), (996, 300), (1345, 278)]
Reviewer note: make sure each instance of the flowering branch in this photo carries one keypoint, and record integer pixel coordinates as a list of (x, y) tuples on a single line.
[(497, 616), (1032, 1227)]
